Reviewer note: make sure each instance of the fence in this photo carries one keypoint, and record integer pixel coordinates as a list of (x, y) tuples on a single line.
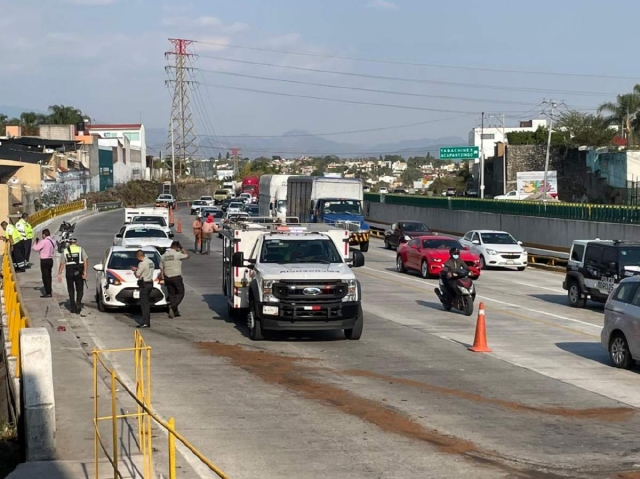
[(49, 213), (569, 211), (144, 415)]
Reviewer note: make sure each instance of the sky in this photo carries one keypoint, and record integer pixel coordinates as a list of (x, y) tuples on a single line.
[(107, 57)]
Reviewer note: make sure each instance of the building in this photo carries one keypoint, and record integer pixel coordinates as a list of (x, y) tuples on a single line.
[(133, 133), (487, 138)]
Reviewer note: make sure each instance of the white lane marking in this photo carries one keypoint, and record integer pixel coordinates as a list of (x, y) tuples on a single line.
[(557, 316), (562, 291)]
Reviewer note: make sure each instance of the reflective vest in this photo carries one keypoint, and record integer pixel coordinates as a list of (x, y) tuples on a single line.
[(73, 255), (12, 232), (28, 229), (21, 227)]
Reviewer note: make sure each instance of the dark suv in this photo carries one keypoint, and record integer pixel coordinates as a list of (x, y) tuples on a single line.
[(595, 267)]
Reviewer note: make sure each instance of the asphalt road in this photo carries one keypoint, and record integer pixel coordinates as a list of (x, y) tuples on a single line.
[(406, 401)]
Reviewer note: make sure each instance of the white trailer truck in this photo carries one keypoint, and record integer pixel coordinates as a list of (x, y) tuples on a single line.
[(292, 278), (273, 196)]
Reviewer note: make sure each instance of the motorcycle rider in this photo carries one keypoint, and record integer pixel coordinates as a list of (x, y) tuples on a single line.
[(453, 265)]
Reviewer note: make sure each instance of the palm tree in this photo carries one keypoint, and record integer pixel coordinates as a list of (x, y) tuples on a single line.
[(623, 111), (29, 121), (64, 115)]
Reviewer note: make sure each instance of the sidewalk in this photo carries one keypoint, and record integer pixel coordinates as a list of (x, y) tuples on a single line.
[(73, 382)]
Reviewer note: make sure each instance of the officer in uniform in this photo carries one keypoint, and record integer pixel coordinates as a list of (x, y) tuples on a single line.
[(75, 263), (27, 232), (14, 237)]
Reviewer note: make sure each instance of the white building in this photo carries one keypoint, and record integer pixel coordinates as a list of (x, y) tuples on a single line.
[(487, 138), (133, 132)]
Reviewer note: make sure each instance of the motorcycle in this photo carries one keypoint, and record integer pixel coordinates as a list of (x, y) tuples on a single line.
[(66, 231), (461, 284)]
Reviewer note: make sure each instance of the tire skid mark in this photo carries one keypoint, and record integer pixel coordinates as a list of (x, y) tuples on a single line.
[(287, 372), (608, 414)]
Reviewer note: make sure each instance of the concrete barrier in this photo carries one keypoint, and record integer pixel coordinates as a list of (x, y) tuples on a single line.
[(38, 399), (544, 233)]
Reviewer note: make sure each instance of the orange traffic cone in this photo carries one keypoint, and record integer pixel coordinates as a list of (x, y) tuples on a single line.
[(179, 228), (170, 215), (480, 342)]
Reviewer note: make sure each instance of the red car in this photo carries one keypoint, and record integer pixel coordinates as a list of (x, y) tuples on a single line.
[(427, 254)]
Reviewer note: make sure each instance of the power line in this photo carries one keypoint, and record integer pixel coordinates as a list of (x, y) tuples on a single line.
[(370, 90), (338, 100), (420, 64), (349, 132), (414, 80), (324, 152)]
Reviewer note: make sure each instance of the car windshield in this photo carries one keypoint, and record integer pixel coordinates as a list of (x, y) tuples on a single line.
[(145, 233), (221, 192), (165, 197), (445, 244), (236, 205), (126, 259), (498, 238), (153, 220), (299, 251), (199, 203), (414, 227), (630, 257), (214, 213), (348, 207)]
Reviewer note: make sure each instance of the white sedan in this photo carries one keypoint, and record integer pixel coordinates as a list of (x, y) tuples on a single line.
[(117, 285), (496, 248), (235, 207), (140, 235)]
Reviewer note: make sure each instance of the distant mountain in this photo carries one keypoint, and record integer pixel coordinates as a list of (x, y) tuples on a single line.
[(15, 111), (299, 142)]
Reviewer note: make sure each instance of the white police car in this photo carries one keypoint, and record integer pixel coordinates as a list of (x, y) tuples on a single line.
[(139, 235), (116, 283)]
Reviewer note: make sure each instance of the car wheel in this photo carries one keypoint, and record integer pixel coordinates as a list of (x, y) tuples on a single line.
[(355, 333), (576, 300), (619, 352), (424, 269), (100, 303), (400, 265), (521, 268), (483, 263), (386, 244), (255, 328), (364, 247)]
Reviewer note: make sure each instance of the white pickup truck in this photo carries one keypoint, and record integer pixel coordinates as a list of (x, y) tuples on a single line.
[(292, 278)]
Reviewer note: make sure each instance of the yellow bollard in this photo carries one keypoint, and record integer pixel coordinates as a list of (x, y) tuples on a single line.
[(172, 449)]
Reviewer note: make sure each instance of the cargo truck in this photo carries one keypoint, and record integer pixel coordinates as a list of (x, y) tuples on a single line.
[(251, 185), (273, 196), (335, 201)]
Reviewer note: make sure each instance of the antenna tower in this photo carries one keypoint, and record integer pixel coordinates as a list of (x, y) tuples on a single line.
[(182, 131)]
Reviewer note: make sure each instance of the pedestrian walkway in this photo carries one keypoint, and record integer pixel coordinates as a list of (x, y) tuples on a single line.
[(73, 382)]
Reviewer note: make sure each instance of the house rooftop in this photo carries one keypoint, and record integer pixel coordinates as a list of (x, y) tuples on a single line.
[(117, 126)]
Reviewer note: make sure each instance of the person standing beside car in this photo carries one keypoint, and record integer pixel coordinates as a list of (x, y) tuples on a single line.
[(208, 228), (75, 263), (171, 265), (144, 272), (47, 248), (197, 232)]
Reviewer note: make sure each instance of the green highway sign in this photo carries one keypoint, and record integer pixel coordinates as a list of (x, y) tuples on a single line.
[(459, 153)]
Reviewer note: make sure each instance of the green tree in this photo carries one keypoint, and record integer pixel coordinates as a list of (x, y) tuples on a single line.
[(585, 129), (30, 121), (623, 111), (64, 115), (410, 175)]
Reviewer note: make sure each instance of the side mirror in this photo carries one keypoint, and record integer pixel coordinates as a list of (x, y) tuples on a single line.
[(520, 243), (171, 225), (414, 246), (171, 235), (237, 260), (118, 235), (98, 267), (357, 259), (476, 241), (466, 247)]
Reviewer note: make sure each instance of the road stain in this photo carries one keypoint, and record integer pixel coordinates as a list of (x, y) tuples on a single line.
[(288, 372), (607, 414)]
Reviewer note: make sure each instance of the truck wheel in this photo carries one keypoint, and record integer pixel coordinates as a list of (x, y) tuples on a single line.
[(364, 247), (576, 300), (355, 333), (255, 328)]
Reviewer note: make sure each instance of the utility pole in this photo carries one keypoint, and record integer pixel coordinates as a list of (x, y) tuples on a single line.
[(504, 153), (182, 128), (173, 156), (234, 155), (482, 158), (546, 161)]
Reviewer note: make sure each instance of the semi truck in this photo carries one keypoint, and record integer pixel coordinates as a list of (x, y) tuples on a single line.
[(233, 187), (292, 278), (273, 196), (335, 201), (251, 185)]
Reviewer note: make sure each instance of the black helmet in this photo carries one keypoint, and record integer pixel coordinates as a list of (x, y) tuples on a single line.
[(453, 251)]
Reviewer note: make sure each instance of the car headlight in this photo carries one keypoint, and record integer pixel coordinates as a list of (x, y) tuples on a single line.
[(267, 292), (266, 286), (436, 260), (352, 291), (111, 279), (492, 252), (524, 252), (407, 238)]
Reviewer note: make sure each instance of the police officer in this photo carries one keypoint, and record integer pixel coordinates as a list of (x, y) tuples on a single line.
[(144, 272), (75, 263), (14, 237), (26, 230), (172, 273)]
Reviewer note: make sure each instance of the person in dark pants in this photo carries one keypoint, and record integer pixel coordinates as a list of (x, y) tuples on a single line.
[(27, 232), (47, 248), (75, 263), (171, 265), (144, 273), (14, 237)]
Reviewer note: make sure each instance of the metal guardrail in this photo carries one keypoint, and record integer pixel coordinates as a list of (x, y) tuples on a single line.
[(106, 206), (569, 211), (44, 215), (142, 397)]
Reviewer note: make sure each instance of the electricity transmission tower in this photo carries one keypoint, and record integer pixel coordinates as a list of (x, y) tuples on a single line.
[(183, 141)]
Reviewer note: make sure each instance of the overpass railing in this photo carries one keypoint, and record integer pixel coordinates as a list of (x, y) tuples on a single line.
[(568, 211), (45, 215), (140, 393)]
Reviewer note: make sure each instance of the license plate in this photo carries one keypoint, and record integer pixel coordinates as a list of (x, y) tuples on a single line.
[(271, 310), (511, 262), (136, 294)]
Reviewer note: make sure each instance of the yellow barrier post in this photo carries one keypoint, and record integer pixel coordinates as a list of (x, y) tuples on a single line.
[(95, 413), (114, 425), (172, 449)]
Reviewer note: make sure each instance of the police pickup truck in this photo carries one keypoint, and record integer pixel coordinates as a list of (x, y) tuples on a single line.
[(292, 278)]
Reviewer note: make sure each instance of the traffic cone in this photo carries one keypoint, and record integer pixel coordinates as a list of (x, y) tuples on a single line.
[(480, 342), (179, 228), (170, 215)]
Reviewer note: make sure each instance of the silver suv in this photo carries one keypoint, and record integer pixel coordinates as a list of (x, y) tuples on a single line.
[(621, 332)]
